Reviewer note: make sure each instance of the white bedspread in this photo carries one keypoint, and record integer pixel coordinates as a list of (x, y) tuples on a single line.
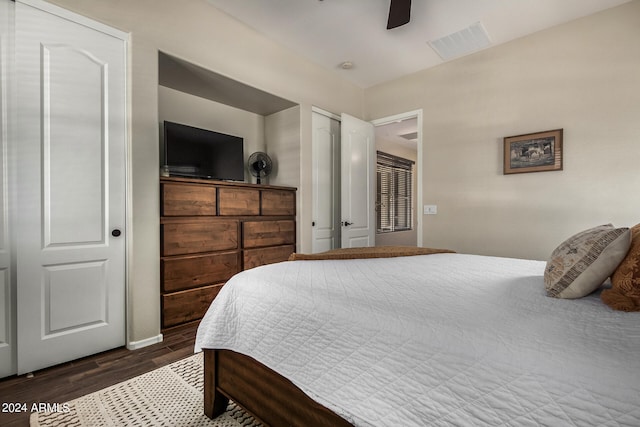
[(445, 339)]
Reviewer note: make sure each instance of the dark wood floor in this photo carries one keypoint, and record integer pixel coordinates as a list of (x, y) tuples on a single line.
[(71, 380)]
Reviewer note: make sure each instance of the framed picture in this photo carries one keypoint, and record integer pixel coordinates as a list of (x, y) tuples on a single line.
[(533, 152)]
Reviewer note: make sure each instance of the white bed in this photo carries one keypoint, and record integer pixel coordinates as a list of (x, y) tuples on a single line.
[(443, 339)]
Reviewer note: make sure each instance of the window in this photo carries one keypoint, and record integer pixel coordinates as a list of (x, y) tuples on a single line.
[(394, 202)]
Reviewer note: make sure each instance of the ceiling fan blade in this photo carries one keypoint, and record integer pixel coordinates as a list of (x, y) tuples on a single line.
[(399, 13)]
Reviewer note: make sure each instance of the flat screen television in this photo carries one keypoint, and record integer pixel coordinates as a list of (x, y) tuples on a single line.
[(201, 153)]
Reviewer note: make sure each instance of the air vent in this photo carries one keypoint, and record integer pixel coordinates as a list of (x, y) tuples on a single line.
[(463, 42), (410, 136)]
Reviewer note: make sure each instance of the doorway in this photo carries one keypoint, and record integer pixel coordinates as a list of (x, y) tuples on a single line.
[(401, 136), (343, 176), (326, 173), (326, 224)]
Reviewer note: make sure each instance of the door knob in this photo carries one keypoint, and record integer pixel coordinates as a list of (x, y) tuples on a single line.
[(347, 223), (116, 232)]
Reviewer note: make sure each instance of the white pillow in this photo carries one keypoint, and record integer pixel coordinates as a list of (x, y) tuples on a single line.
[(584, 261)]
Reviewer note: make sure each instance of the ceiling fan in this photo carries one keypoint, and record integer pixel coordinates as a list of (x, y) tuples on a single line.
[(399, 13)]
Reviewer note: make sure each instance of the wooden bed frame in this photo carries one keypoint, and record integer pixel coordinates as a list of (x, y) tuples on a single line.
[(265, 394)]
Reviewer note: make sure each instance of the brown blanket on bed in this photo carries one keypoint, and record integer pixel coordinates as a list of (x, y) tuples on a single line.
[(369, 252)]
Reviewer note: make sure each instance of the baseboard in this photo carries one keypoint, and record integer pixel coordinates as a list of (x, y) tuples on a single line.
[(134, 345)]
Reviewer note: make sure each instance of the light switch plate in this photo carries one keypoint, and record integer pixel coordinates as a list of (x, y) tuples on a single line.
[(430, 209)]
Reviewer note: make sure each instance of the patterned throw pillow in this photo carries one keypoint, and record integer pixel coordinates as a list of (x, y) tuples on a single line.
[(584, 261), (625, 282)]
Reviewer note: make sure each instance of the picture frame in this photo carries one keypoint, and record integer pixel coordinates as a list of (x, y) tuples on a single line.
[(533, 152)]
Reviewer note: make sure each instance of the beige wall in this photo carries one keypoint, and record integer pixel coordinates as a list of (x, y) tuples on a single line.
[(583, 76), (282, 141), (196, 32)]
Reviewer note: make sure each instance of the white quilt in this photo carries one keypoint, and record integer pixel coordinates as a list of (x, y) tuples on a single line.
[(437, 340)]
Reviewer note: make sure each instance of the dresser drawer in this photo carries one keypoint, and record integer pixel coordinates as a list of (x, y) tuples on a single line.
[(258, 234), (182, 238), (239, 201), (188, 200), (184, 272), (185, 306), (270, 255), (278, 202)]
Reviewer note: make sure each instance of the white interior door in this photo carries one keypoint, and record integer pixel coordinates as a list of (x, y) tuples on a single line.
[(326, 182), (71, 186), (7, 289), (358, 158)]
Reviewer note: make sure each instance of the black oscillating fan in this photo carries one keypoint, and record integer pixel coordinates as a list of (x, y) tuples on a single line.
[(259, 165)]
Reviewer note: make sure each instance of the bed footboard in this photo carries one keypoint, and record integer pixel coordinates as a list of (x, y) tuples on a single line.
[(268, 396)]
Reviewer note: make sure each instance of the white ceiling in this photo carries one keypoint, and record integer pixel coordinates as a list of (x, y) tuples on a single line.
[(398, 133), (330, 32)]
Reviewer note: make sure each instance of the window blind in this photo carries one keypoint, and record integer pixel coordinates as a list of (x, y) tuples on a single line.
[(394, 193)]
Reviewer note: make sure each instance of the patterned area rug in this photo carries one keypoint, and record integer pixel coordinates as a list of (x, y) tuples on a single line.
[(168, 396)]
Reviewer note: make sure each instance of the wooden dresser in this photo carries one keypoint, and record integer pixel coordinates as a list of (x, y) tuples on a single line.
[(209, 231)]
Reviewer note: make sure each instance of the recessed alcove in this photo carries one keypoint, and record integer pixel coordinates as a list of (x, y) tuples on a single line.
[(194, 95), (183, 76)]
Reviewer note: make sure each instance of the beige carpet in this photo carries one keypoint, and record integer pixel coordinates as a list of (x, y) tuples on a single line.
[(170, 396)]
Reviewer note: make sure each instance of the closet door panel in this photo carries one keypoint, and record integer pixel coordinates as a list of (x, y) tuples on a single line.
[(73, 124), (7, 285), (70, 245)]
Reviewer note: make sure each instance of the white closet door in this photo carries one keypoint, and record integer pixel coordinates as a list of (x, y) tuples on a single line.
[(7, 290), (71, 186), (358, 182), (326, 183)]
